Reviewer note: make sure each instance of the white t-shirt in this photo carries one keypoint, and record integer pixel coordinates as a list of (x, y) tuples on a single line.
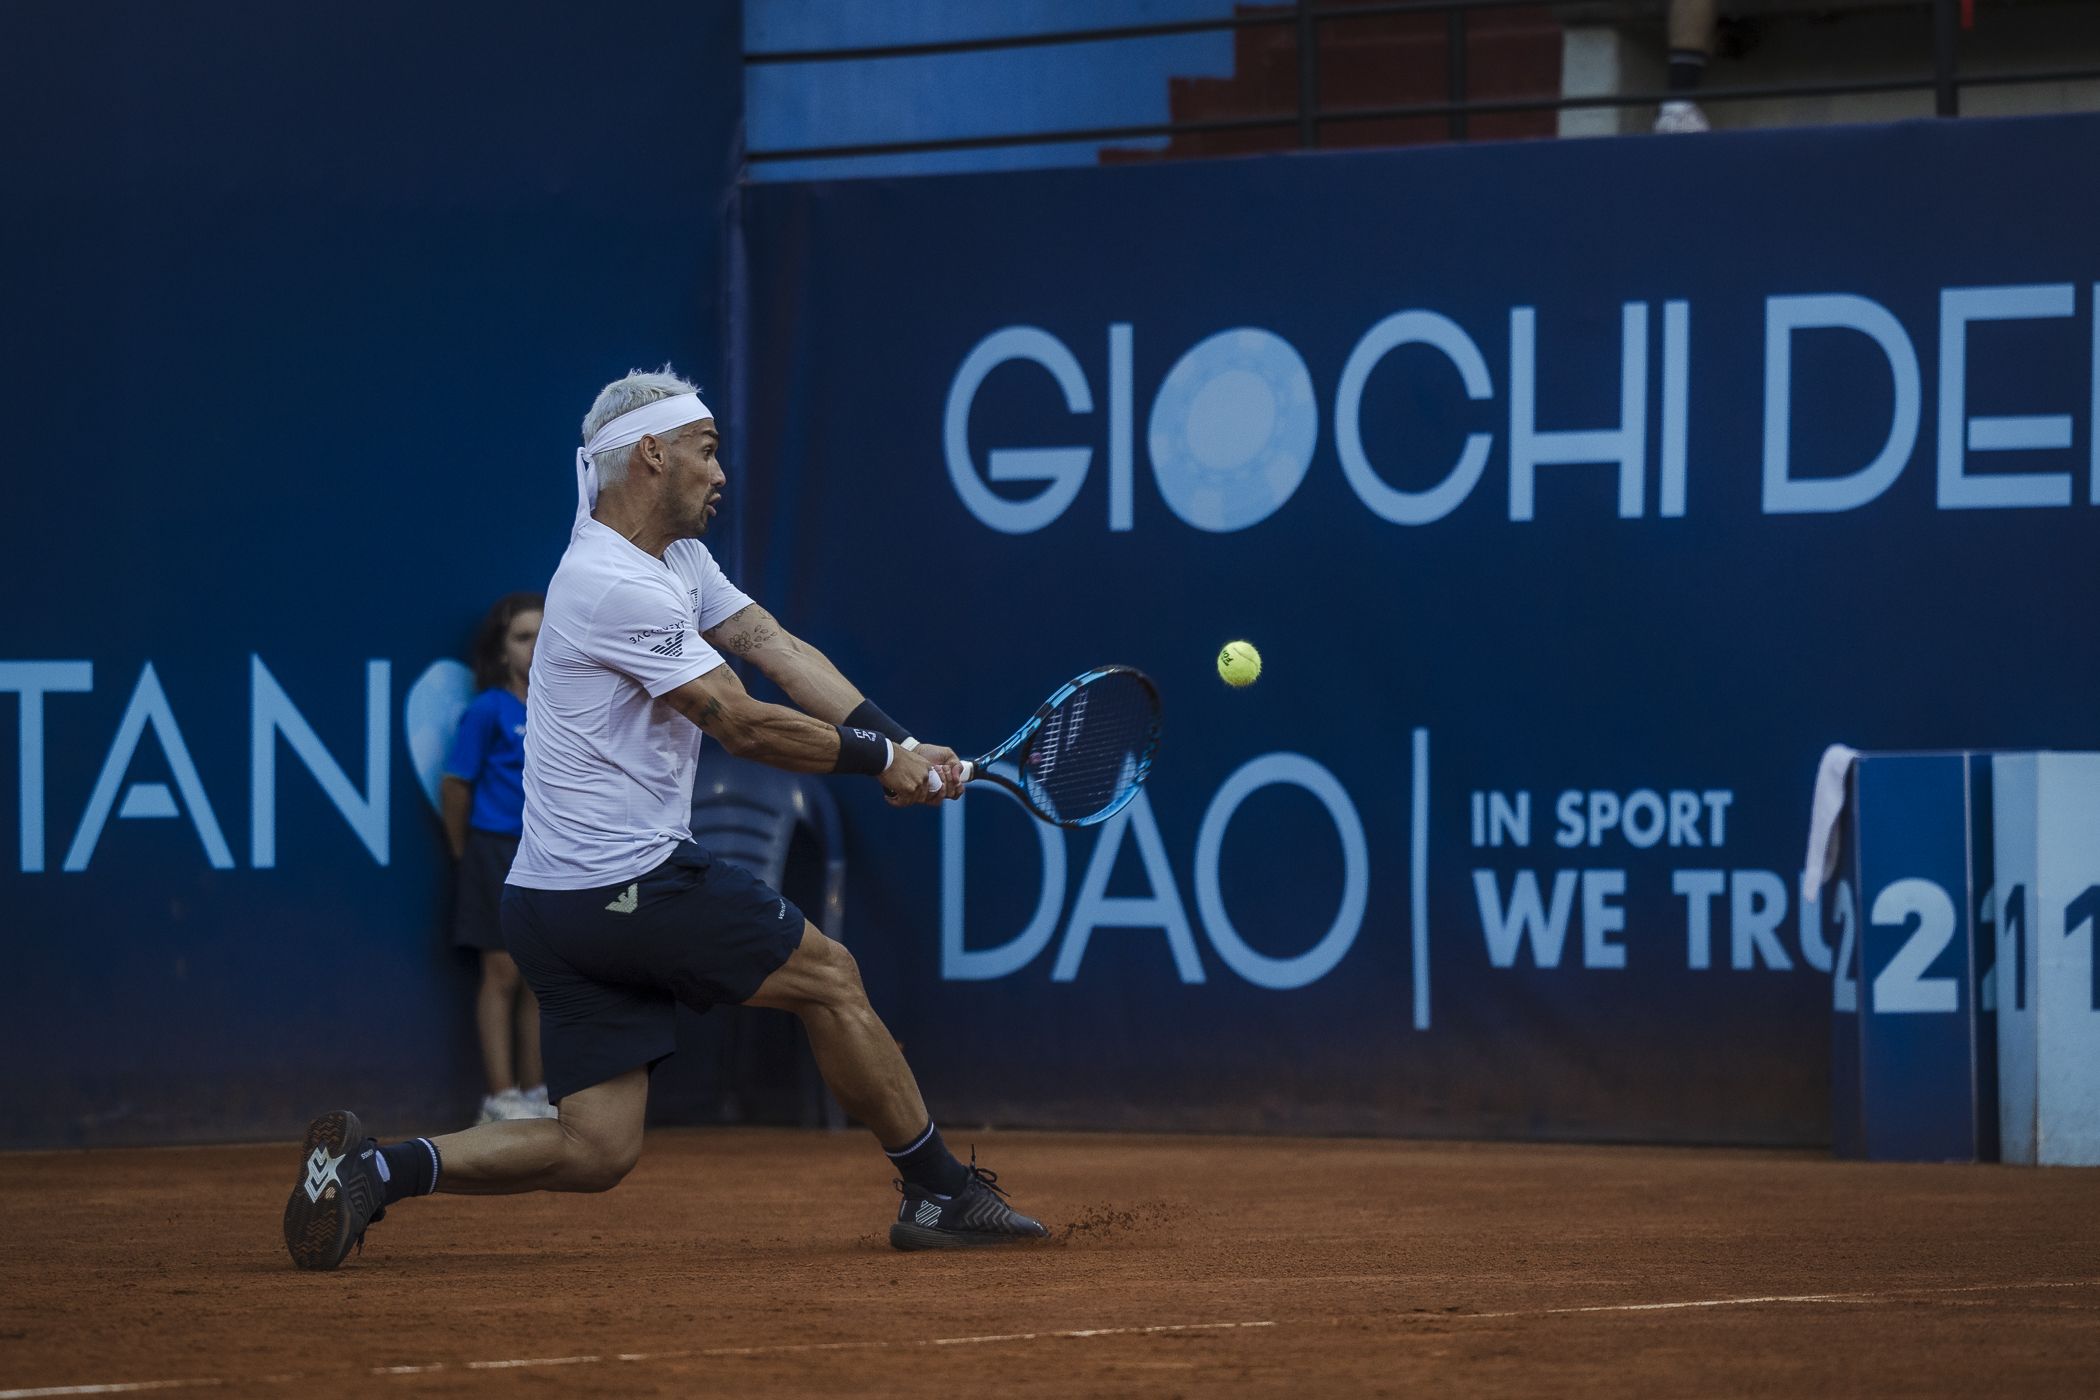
[(608, 766)]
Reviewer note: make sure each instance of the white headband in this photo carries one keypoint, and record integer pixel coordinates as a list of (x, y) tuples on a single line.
[(651, 419)]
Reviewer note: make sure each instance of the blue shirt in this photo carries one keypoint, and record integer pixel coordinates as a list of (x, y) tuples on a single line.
[(490, 754)]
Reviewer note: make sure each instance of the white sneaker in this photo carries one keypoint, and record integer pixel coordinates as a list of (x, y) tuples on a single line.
[(536, 1103), (1679, 117), (504, 1107)]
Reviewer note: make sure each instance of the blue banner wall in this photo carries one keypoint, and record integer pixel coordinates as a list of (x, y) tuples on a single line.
[(1576, 494), (304, 308)]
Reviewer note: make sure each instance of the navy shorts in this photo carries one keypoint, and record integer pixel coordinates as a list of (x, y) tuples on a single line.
[(611, 965), (477, 896)]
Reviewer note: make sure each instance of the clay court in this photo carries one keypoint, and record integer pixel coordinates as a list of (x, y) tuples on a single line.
[(753, 1262)]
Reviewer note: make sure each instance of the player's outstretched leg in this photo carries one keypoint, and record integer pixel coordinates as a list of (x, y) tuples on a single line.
[(347, 1180), (946, 1205)]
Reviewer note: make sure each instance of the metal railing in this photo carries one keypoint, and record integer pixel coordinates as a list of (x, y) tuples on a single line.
[(1945, 81)]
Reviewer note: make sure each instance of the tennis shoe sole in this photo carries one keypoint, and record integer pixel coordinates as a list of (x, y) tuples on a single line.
[(336, 1195)]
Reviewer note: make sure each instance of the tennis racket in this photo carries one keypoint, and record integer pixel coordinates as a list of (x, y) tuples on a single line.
[(1085, 751)]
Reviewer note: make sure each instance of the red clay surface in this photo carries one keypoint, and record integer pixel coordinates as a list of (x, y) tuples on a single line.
[(754, 1263)]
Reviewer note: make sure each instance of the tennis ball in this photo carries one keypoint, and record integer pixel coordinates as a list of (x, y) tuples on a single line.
[(1238, 664)]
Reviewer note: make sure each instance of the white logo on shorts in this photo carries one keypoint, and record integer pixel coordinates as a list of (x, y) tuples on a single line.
[(783, 910), (628, 900)]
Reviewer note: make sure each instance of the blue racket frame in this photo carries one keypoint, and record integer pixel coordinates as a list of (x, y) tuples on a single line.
[(980, 768)]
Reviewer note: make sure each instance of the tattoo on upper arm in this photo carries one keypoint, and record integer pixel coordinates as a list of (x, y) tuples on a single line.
[(705, 712), (744, 637)]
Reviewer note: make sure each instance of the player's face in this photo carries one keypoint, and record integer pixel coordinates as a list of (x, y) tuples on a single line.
[(694, 483), (518, 642)]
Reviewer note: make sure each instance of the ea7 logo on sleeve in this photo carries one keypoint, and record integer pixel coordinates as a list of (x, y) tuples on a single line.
[(673, 645)]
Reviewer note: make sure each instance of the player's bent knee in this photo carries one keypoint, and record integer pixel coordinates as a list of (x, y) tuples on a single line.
[(611, 1173), (599, 1169), (821, 976), (840, 989), (598, 1163), (846, 970), (838, 971)]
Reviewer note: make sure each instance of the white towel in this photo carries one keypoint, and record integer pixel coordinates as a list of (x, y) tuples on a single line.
[(1823, 816)]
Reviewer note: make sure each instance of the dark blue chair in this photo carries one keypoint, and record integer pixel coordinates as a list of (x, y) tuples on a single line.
[(748, 815)]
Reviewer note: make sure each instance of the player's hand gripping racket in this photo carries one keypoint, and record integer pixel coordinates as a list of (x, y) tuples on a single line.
[(1085, 751)]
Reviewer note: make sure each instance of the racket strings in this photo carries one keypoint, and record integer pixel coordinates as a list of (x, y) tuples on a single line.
[(1093, 748)]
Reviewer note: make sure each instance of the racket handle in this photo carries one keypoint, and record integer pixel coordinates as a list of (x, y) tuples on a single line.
[(933, 776)]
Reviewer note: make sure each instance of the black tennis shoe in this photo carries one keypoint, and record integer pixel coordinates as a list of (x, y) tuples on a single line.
[(337, 1194), (974, 1217)]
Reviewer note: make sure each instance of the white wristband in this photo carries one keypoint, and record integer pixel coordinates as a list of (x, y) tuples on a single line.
[(910, 744), (889, 752)]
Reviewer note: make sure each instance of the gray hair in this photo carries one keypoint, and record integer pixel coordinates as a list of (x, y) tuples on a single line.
[(624, 396)]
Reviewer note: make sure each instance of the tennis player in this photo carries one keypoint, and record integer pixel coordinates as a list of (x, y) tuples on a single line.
[(611, 912)]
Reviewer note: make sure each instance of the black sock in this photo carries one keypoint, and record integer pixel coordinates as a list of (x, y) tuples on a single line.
[(408, 1169), (927, 1163), (1687, 70)]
